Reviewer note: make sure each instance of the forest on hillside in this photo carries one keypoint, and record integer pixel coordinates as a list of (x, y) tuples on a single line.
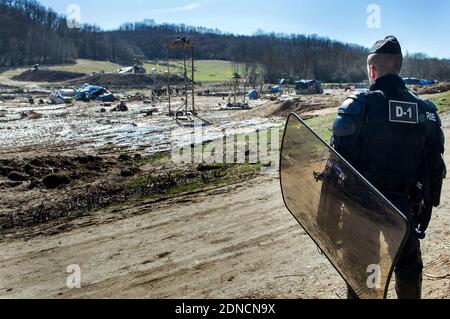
[(32, 34)]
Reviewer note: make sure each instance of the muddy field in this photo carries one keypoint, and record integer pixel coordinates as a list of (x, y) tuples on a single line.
[(93, 128), (97, 189)]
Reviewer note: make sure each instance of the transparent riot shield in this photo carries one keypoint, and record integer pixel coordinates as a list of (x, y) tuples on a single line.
[(354, 225)]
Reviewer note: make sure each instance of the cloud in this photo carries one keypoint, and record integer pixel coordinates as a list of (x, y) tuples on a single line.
[(187, 7)]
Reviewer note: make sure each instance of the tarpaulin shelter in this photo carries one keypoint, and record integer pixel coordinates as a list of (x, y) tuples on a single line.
[(91, 92), (308, 87), (62, 96), (253, 95), (275, 89), (426, 82), (135, 69), (411, 81)]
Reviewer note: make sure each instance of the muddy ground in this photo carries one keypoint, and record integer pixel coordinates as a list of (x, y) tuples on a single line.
[(98, 190)]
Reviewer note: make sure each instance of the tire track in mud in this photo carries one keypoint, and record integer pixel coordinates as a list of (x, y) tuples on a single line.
[(196, 244)]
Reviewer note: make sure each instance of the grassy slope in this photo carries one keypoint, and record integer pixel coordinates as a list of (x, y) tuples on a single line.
[(443, 102), (81, 66), (206, 70), (12, 72), (87, 66)]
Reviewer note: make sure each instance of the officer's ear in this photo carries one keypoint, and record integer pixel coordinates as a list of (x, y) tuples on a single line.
[(372, 72)]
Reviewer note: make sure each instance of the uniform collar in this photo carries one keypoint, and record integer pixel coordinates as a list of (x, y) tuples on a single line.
[(390, 84)]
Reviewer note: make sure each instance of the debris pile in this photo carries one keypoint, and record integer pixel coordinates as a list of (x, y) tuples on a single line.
[(432, 89)]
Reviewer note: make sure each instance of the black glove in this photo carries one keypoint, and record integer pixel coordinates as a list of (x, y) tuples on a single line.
[(423, 220)]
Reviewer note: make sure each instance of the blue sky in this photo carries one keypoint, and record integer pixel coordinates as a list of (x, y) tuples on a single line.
[(420, 25)]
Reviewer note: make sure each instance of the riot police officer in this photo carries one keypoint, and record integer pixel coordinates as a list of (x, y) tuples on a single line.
[(394, 139)]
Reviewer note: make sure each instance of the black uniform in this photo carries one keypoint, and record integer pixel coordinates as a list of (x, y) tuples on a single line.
[(394, 138)]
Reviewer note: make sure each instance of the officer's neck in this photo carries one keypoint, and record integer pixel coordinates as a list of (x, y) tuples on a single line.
[(391, 84)]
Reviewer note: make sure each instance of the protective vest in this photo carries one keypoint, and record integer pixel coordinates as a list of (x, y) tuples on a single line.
[(383, 134), (393, 137)]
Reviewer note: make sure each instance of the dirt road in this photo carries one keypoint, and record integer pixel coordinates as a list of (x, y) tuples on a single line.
[(234, 242)]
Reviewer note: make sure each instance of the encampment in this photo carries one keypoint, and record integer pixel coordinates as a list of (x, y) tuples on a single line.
[(308, 87)]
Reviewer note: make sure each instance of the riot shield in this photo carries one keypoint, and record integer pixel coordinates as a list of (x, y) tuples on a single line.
[(353, 224)]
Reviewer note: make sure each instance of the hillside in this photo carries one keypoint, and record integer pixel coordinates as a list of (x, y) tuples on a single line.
[(34, 34)]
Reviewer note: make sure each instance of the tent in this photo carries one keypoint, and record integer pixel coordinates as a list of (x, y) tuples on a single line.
[(62, 96), (411, 81), (135, 69), (308, 87), (91, 92), (426, 82), (253, 95), (275, 89), (125, 70), (414, 81)]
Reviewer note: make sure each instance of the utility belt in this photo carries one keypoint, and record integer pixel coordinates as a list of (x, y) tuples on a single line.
[(413, 192), (410, 189)]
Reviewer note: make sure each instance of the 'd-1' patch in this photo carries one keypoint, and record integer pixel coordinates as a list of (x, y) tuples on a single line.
[(403, 112)]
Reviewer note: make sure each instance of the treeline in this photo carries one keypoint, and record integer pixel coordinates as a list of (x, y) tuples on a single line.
[(33, 34), (421, 66)]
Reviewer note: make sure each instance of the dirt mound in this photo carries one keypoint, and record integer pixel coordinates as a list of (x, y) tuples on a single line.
[(305, 104), (47, 76), (38, 170), (432, 89), (115, 80), (45, 188)]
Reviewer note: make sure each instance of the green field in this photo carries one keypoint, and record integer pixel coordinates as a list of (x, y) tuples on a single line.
[(442, 101), (206, 70), (81, 66), (87, 66), (12, 72)]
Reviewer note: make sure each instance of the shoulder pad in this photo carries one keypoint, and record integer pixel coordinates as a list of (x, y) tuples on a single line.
[(431, 105), (354, 104), (344, 126), (360, 96)]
